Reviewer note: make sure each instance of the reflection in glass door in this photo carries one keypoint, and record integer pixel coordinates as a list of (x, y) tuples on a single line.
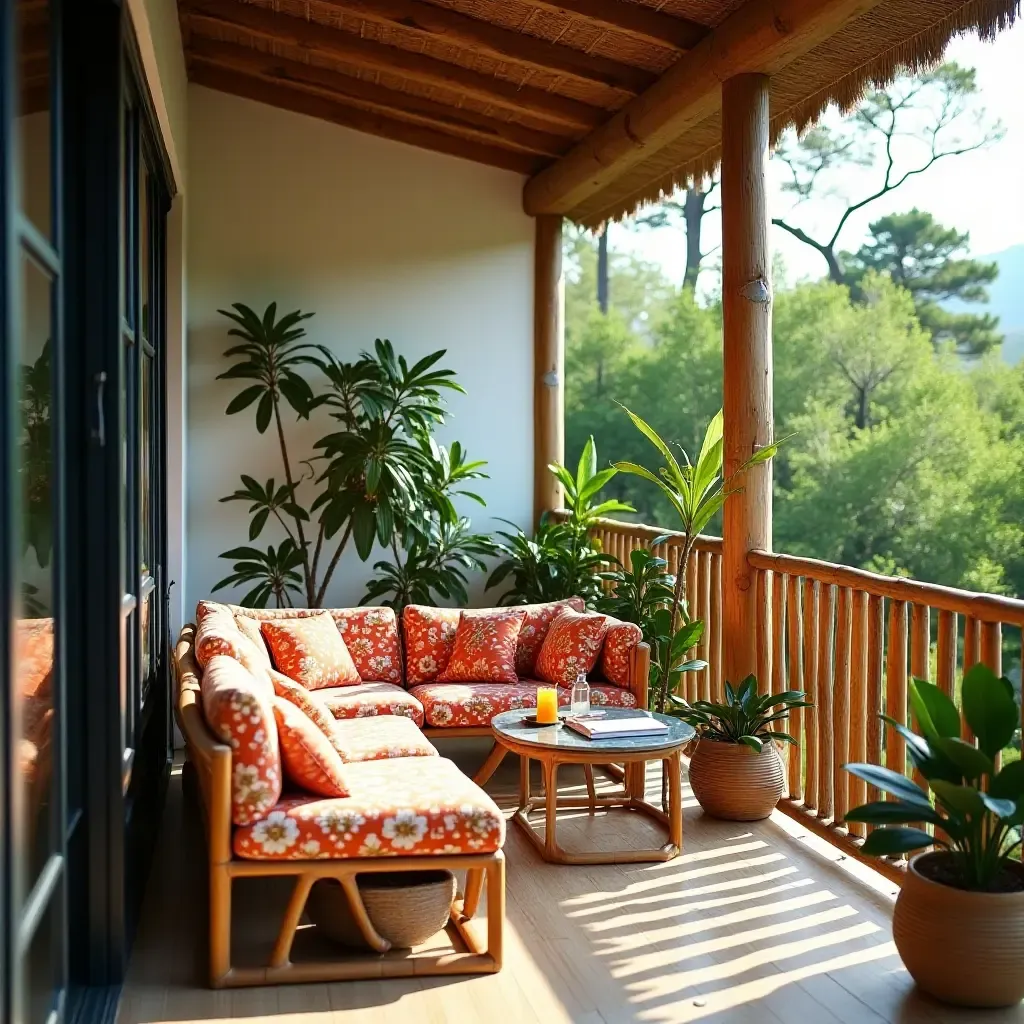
[(37, 813)]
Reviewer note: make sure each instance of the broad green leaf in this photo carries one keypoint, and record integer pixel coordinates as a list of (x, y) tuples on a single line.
[(753, 742), (1009, 783), (896, 839), (587, 465), (936, 713), (264, 411), (244, 399), (971, 761), (894, 812), (889, 782), (962, 799), (990, 710)]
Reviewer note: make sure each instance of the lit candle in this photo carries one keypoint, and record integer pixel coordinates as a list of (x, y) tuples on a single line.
[(547, 705)]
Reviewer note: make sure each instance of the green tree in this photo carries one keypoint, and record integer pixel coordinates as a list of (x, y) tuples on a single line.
[(930, 261)]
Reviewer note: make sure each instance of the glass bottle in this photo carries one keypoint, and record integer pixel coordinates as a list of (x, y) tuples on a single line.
[(580, 696)]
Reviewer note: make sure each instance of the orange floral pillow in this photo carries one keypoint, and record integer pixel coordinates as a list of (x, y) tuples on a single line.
[(309, 702), (310, 651), (619, 644), (572, 646), (485, 648), (310, 761), (429, 641), (535, 628), (218, 633)]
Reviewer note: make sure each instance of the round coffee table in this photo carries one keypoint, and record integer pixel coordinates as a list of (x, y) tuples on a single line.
[(553, 746)]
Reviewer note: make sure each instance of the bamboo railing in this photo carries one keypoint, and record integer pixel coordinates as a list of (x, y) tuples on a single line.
[(853, 640), (703, 589)]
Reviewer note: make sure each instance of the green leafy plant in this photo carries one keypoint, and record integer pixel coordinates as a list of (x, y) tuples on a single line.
[(977, 810), (36, 456), (745, 717), (696, 491), (379, 477), (644, 594), (560, 560)]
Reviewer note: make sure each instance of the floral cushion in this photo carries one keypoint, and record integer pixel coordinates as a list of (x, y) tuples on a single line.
[(369, 699), (238, 708), (572, 646), (309, 702), (475, 704), (218, 633), (367, 739), (310, 651), (535, 628), (371, 636), (391, 811), (429, 639), (607, 695), (485, 648), (250, 628), (619, 644), (310, 762)]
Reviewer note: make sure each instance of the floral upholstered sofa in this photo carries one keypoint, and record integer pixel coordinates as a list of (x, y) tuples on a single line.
[(402, 672)]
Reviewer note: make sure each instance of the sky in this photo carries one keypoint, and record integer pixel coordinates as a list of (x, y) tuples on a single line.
[(980, 192)]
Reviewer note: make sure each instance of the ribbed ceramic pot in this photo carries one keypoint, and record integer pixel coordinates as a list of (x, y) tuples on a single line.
[(965, 948), (735, 782)]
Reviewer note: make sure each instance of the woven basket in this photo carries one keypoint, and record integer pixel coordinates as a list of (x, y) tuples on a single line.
[(406, 907), (732, 781)]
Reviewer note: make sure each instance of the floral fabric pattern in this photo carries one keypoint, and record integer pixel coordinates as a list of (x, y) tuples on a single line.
[(535, 628), (370, 739), (250, 628), (475, 704), (310, 761), (311, 651), (309, 702), (391, 811), (370, 699), (572, 646), (605, 695), (371, 636), (485, 649), (238, 708), (218, 633), (619, 644), (429, 641)]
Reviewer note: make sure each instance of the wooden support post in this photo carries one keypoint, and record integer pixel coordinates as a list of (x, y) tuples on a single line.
[(548, 364), (747, 315)]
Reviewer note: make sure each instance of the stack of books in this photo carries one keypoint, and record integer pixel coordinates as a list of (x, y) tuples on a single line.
[(638, 723)]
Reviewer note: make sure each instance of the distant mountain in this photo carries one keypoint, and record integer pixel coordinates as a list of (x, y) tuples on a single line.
[(1006, 300)]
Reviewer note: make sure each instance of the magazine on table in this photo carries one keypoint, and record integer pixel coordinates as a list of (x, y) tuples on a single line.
[(595, 726)]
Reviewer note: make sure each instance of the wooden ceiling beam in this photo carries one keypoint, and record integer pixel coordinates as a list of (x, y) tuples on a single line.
[(632, 19), (391, 102), (366, 54), (763, 37), (449, 26), (274, 94)]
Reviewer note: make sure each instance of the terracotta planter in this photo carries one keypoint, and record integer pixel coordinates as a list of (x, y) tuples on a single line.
[(965, 948), (732, 781)]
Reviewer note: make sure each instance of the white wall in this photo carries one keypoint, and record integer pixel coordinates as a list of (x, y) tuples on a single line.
[(380, 240)]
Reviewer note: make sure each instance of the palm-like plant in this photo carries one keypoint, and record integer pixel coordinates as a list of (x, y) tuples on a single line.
[(696, 491)]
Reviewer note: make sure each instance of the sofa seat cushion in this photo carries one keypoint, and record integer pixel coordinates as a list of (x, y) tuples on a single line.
[(608, 695), (395, 808), (474, 704), (371, 739), (365, 700)]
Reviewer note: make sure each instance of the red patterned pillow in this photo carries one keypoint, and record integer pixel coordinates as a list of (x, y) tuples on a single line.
[(309, 759), (619, 643), (310, 651), (429, 640), (309, 702), (572, 646), (535, 628), (485, 648), (371, 636)]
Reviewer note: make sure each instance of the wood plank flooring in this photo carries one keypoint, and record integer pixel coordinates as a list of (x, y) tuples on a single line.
[(753, 923)]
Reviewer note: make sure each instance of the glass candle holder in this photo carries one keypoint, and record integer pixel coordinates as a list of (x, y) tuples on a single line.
[(547, 705)]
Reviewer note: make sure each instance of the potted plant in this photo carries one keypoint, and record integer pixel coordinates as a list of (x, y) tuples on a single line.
[(959, 918), (735, 771)]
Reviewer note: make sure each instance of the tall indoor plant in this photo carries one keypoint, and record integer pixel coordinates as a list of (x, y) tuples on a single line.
[(959, 918), (378, 477)]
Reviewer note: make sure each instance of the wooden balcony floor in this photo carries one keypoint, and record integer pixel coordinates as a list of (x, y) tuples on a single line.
[(753, 923)]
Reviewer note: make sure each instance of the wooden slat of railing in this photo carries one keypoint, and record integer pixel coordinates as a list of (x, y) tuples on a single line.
[(876, 646), (796, 682), (811, 597), (764, 627), (920, 655), (896, 685), (779, 674), (692, 679), (991, 646), (856, 789), (714, 621), (841, 722), (704, 590), (972, 655), (826, 739), (945, 653)]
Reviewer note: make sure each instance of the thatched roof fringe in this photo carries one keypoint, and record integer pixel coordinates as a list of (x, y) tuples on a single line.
[(985, 17)]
